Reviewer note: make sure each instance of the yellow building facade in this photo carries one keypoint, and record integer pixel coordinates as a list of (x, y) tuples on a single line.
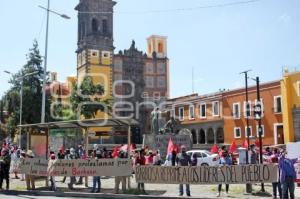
[(290, 92)]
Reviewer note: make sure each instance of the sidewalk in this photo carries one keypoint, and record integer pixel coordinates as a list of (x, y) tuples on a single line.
[(153, 190)]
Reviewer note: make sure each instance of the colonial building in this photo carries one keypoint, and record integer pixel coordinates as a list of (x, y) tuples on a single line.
[(234, 114), (95, 42), (141, 80), (131, 77), (202, 115), (220, 117), (290, 89)]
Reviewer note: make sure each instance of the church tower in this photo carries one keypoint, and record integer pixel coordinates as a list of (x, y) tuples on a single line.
[(95, 42)]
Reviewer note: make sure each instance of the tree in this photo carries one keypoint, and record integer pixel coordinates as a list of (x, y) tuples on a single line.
[(1, 111), (32, 92), (88, 103)]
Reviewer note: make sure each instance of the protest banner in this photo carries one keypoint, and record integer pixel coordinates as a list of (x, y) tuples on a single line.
[(101, 167), (34, 166), (293, 150), (160, 142), (237, 174), (297, 168)]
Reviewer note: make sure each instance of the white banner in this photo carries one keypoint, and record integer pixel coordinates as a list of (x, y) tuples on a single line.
[(101, 167), (237, 174)]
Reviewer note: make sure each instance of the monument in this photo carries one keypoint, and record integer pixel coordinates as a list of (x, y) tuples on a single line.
[(162, 132)]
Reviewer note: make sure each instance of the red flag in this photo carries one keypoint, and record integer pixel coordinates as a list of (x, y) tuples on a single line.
[(214, 149), (132, 147), (233, 147), (115, 152), (176, 148), (170, 146), (245, 144)]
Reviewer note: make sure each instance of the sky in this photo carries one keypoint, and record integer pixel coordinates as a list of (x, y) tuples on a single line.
[(216, 42)]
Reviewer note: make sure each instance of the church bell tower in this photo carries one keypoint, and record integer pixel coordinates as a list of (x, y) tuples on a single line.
[(95, 42)]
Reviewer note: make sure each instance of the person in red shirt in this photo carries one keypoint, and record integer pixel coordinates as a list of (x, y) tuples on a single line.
[(149, 158), (140, 160)]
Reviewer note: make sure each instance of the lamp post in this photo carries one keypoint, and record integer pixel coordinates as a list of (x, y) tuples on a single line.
[(21, 101), (46, 56), (257, 115), (248, 186)]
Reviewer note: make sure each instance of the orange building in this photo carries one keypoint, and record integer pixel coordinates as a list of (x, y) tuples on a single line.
[(220, 117), (234, 114)]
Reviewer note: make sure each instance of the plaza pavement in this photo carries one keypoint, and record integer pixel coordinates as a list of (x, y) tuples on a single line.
[(18, 188)]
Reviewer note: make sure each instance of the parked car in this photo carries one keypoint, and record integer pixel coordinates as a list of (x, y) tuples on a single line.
[(205, 158)]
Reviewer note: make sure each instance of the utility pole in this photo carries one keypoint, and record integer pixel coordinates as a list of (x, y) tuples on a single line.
[(248, 186), (257, 116), (45, 67), (46, 57)]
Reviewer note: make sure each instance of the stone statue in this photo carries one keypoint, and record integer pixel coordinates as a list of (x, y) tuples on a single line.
[(170, 126), (156, 121)]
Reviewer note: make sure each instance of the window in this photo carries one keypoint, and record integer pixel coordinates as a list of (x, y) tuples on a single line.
[(262, 131), (236, 111), (237, 132), (105, 54), (149, 82), (277, 104), (192, 112), (247, 109), (104, 26), (203, 110), (160, 47), (149, 68), (95, 25), (181, 114), (216, 108), (161, 68), (94, 53), (161, 82), (250, 131)]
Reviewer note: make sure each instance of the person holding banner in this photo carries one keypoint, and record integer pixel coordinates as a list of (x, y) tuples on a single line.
[(72, 156), (225, 159), (97, 179), (52, 178), (183, 159), (140, 160), (287, 175), (276, 185), (30, 178)]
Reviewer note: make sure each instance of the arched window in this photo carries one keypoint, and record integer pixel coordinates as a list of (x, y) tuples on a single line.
[(82, 30), (160, 47), (104, 26), (95, 25)]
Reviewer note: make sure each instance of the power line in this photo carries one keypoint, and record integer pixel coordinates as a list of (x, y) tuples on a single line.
[(178, 9)]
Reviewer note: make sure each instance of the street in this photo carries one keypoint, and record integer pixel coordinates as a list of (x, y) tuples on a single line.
[(18, 190)]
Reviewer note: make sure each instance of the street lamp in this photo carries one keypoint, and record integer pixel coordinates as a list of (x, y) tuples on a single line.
[(248, 186), (257, 116), (21, 99), (46, 56)]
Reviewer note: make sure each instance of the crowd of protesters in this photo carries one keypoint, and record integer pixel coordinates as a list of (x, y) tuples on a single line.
[(176, 156)]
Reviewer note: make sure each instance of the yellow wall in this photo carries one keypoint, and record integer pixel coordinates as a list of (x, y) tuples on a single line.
[(98, 65), (290, 99)]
